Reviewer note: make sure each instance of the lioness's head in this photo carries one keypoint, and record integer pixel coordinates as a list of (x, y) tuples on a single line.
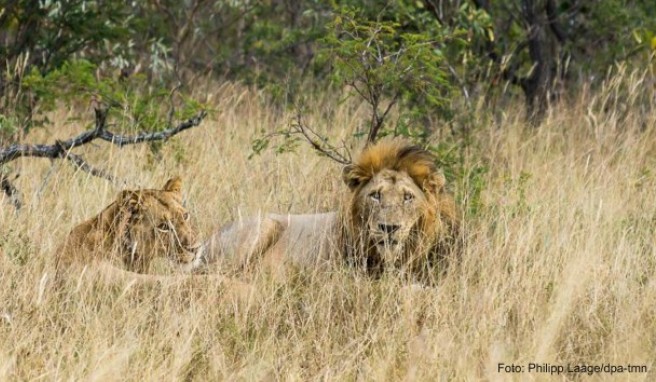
[(153, 223), (399, 208)]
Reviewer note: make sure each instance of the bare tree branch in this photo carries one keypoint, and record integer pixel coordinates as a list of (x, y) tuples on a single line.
[(62, 149), (12, 152), (11, 192), (556, 28), (86, 167), (378, 120), (319, 143), (121, 140)]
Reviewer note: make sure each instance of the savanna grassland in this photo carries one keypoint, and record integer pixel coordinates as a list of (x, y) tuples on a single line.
[(559, 265)]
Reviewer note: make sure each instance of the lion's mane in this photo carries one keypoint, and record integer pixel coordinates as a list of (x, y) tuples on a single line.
[(433, 235)]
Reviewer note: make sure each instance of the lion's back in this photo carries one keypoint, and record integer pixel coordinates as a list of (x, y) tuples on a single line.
[(307, 238)]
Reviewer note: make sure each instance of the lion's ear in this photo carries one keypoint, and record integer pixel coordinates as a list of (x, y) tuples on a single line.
[(173, 185), (130, 200), (435, 182), (353, 176)]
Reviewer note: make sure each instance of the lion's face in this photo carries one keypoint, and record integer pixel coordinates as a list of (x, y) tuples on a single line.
[(157, 225), (398, 210), (391, 205)]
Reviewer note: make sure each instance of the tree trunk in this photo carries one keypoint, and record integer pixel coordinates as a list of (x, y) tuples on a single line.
[(543, 51)]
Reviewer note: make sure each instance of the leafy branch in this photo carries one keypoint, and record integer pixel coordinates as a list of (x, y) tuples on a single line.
[(386, 65)]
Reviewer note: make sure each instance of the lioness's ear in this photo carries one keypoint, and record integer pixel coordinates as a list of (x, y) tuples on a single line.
[(129, 199), (173, 185), (353, 176)]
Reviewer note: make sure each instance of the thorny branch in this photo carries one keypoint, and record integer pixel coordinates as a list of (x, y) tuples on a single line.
[(61, 149)]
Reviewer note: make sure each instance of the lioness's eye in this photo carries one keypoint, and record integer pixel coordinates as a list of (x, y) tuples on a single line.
[(375, 196), (408, 197), (185, 216), (163, 227)]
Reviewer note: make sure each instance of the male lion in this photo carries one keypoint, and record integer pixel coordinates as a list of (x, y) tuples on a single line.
[(138, 227), (397, 215)]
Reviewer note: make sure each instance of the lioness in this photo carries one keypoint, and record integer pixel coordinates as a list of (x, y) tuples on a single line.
[(138, 227), (397, 214)]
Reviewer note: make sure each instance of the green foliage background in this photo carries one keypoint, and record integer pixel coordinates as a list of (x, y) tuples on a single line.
[(429, 60)]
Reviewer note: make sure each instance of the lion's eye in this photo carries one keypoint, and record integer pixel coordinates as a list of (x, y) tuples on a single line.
[(375, 196), (407, 197), (185, 216), (164, 227)]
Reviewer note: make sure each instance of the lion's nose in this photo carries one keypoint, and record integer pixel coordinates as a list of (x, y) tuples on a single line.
[(389, 228)]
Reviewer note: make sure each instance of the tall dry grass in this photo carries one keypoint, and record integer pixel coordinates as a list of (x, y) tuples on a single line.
[(559, 265)]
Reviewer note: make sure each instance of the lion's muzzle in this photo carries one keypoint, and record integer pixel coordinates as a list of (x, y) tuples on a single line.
[(190, 258), (387, 237), (388, 228)]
